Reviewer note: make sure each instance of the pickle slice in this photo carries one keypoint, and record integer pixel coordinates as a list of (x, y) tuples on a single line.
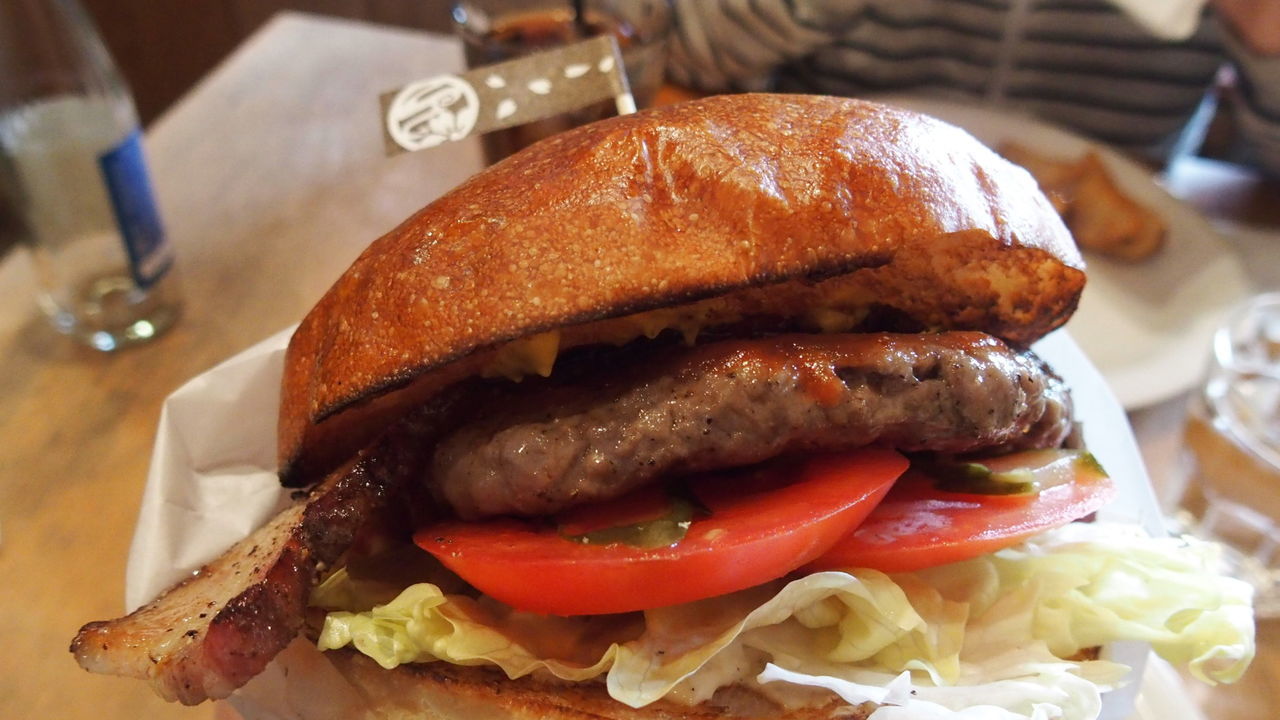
[(976, 478), (1023, 473), (658, 532)]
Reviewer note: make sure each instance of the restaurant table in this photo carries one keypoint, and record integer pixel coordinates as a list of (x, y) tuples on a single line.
[(271, 176)]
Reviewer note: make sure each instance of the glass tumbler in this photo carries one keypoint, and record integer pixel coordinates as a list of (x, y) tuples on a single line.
[(496, 30), (1232, 439), (74, 179)]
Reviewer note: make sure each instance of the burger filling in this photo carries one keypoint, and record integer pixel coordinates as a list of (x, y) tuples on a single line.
[(545, 446), (672, 520)]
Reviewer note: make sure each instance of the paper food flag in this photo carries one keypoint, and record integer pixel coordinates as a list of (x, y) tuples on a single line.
[(446, 108)]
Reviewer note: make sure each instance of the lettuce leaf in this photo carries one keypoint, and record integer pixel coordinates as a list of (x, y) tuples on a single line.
[(988, 637), (1086, 585)]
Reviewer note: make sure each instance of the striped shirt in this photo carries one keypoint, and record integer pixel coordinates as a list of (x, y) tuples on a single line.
[(1080, 63)]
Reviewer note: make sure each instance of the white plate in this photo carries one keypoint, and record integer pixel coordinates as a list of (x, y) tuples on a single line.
[(1147, 325)]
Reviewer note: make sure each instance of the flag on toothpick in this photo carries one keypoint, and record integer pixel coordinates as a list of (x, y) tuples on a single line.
[(446, 108)]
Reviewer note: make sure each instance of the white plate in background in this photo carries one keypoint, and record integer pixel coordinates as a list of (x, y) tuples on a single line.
[(1146, 325)]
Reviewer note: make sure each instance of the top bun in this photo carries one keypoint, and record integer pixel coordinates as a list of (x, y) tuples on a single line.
[(813, 211)]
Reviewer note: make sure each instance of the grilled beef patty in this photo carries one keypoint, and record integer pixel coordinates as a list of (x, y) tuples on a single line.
[(543, 448)]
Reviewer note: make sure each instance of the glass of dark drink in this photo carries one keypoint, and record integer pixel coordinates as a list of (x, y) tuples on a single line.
[(497, 30)]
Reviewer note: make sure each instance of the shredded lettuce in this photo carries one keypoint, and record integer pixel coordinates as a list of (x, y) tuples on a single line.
[(990, 637)]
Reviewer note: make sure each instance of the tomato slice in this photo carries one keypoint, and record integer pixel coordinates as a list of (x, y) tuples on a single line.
[(760, 526), (919, 525)]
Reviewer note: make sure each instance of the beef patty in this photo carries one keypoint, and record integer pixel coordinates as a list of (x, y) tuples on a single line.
[(543, 448)]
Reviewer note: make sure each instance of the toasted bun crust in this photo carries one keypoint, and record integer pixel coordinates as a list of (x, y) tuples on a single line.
[(752, 198), (440, 691)]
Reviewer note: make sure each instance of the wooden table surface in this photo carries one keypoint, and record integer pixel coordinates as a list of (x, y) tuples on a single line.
[(271, 177)]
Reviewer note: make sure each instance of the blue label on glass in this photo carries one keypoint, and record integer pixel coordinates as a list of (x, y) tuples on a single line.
[(125, 171)]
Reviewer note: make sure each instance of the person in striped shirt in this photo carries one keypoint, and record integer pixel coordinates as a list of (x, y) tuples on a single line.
[(1097, 66)]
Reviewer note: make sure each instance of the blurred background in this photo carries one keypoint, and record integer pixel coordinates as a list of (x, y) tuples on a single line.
[(163, 48)]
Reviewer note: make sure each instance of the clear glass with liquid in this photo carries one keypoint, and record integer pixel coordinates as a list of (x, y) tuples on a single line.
[(72, 166), (1233, 444)]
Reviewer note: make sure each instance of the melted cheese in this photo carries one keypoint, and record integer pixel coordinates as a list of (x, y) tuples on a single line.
[(533, 355), (687, 320), (536, 354), (830, 320)]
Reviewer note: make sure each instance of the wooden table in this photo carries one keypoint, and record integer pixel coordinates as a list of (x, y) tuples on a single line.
[(272, 178)]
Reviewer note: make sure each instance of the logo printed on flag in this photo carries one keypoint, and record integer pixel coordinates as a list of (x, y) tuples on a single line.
[(446, 108)]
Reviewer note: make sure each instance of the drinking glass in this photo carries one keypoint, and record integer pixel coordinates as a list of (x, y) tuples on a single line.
[(1232, 439), (74, 179), (497, 30)]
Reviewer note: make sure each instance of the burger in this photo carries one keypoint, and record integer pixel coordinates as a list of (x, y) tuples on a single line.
[(718, 408)]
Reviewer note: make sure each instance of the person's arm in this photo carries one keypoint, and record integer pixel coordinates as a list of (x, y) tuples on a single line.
[(1255, 22), (736, 44), (1253, 41)]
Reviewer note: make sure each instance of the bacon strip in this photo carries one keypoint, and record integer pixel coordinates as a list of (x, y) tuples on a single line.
[(214, 631), (211, 633)]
